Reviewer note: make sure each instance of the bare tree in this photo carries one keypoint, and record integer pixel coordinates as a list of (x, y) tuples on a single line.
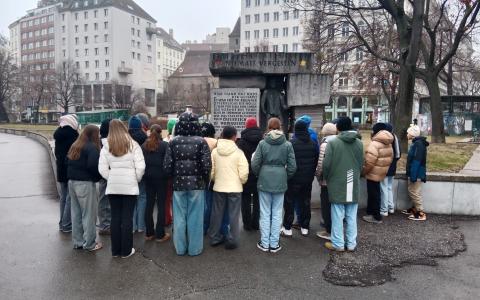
[(8, 79), (37, 88), (66, 78)]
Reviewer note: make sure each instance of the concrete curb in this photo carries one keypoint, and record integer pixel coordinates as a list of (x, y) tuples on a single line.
[(43, 140)]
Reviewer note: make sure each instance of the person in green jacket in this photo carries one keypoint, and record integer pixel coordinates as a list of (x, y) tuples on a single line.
[(342, 167), (273, 163)]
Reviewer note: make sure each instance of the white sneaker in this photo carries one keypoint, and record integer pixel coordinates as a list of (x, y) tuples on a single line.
[(384, 214), (391, 212), (304, 231), (131, 253), (324, 235), (286, 232)]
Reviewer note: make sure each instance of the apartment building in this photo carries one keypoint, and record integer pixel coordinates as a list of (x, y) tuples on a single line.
[(170, 55), (271, 26), (112, 44)]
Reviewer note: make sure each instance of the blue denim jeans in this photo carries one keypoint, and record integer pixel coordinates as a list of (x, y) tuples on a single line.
[(140, 206), (188, 210), (349, 213), (84, 213), (208, 213), (104, 211), (65, 223), (271, 208), (386, 187)]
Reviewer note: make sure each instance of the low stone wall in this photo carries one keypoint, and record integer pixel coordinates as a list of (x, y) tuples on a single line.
[(444, 193), (43, 140)]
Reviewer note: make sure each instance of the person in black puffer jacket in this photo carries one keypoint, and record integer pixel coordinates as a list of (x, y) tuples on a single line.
[(82, 174), (300, 186), (188, 160), (137, 132), (248, 142), (64, 136), (156, 180)]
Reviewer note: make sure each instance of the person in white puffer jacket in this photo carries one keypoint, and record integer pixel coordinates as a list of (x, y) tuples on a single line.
[(122, 165)]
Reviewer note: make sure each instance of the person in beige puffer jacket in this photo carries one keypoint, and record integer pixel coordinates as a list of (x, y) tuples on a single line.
[(378, 157)]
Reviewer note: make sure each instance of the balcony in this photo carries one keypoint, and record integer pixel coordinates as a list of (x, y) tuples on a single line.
[(125, 70), (151, 30)]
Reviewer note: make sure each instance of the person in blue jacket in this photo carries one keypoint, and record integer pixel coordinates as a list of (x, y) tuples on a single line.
[(416, 173)]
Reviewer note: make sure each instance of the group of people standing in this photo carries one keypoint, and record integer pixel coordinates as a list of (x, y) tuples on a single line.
[(261, 176)]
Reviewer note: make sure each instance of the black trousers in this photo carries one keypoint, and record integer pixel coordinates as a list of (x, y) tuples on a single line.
[(156, 193), (250, 216), (325, 206), (300, 193), (121, 226), (374, 199)]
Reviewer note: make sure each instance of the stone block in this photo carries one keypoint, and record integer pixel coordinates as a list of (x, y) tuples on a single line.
[(466, 199), (437, 197)]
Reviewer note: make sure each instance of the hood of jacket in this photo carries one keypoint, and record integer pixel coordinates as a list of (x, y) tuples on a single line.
[(252, 135), (187, 125), (226, 147), (348, 136), (275, 137), (421, 139), (383, 137)]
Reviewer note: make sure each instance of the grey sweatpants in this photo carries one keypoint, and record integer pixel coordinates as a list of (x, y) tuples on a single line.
[(84, 200), (222, 201)]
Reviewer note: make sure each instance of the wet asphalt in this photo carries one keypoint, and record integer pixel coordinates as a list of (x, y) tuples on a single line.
[(37, 261)]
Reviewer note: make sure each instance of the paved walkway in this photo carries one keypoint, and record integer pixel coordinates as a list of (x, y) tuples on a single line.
[(473, 165), (36, 261)]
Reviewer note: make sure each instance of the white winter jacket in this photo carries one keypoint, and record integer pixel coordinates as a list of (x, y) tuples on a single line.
[(122, 173)]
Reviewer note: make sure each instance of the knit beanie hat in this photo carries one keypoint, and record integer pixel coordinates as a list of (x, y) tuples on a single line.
[(208, 130), (134, 123), (170, 125), (301, 126), (389, 127), (104, 128), (379, 127), (251, 123), (344, 124), (69, 120), (307, 119), (329, 129), (144, 119), (414, 130)]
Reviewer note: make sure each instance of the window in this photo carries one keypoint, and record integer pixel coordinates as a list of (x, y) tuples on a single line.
[(107, 76), (266, 33), (285, 15), (138, 21), (247, 35), (248, 3), (295, 47), (76, 16), (95, 13), (345, 29), (107, 63), (296, 14), (133, 43), (85, 40), (106, 50), (247, 19), (149, 48), (256, 34), (275, 32), (95, 39), (285, 48), (344, 56), (139, 45), (359, 54), (276, 16), (97, 64), (276, 1), (85, 27), (86, 52), (285, 31), (257, 2), (133, 55), (267, 2), (360, 78), (64, 53), (97, 76), (105, 12), (95, 26), (63, 17), (87, 64), (87, 76), (133, 19), (63, 29), (76, 28), (149, 59), (138, 56), (76, 41), (96, 51), (330, 31), (77, 64), (138, 32), (85, 3), (256, 49), (105, 38), (247, 49), (105, 25), (64, 41), (295, 30), (266, 17), (257, 18), (85, 15), (342, 82)]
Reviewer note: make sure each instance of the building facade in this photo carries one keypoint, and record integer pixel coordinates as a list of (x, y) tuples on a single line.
[(170, 56), (271, 26), (111, 43)]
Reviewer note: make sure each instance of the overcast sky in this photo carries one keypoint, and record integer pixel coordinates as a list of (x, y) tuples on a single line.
[(190, 19)]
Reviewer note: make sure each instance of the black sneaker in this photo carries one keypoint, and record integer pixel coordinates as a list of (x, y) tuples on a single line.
[(260, 246), (275, 249)]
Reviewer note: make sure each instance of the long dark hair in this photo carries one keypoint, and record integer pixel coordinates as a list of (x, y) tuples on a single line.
[(90, 133), (153, 141)]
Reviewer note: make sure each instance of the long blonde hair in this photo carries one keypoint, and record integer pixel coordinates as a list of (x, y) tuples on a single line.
[(90, 133), (119, 140)]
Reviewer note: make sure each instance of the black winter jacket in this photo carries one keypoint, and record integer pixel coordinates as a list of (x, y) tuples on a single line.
[(392, 171), (86, 167), (248, 143), (64, 138), (138, 136), (306, 156), (154, 170)]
